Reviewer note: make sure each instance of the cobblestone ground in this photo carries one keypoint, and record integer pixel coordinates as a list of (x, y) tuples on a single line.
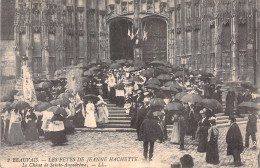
[(121, 144)]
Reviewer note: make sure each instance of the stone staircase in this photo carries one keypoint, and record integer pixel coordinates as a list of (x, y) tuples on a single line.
[(119, 121)]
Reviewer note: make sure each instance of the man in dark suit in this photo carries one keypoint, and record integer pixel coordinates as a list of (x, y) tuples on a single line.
[(149, 132), (251, 129), (183, 126), (234, 142), (141, 115)]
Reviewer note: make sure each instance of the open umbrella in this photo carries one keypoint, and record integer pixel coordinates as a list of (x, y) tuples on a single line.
[(139, 63), (132, 69), (115, 66), (20, 105), (157, 63), (249, 105), (174, 84), (171, 89), (158, 113), (146, 73), (65, 95), (58, 110), (180, 95), (43, 106), (164, 69), (45, 85), (180, 73), (92, 97), (61, 102), (173, 106), (192, 98), (154, 81), (155, 71), (89, 73), (136, 79), (212, 104), (152, 86), (4, 105), (157, 102), (164, 77)]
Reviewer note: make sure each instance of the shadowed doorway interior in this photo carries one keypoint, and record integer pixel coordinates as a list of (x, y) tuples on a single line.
[(121, 45)]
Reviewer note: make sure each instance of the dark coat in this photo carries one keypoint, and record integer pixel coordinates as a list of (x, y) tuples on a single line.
[(203, 135), (234, 139), (183, 124), (150, 131), (251, 126), (141, 114)]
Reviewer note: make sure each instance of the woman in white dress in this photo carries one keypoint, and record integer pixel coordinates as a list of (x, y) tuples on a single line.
[(90, 120), (175, 136), (102, 110)]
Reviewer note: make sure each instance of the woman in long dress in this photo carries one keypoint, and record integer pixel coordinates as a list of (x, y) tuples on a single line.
[(57, 130), (212, 155), (90, 120), (204, 125), (31, 132), (6, 124), (15, 136), (175, 136), (102, 110)]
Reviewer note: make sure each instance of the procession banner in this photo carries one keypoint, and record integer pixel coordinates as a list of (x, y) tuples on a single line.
[(29, 93)]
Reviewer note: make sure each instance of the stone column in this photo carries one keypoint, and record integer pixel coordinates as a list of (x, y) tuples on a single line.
[(28, 32), (137, 26), (234, 42), (45, 40), (218, 41), (16, 40)]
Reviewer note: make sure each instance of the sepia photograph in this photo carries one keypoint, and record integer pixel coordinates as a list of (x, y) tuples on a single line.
[(129, 83)]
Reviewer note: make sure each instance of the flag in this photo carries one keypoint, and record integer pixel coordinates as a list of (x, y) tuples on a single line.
[(132, 33), (29, 93), (129, 33)]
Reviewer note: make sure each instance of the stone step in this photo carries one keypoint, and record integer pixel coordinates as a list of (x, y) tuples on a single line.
[(115, 108), (222, 117), (118, 115), (117, 111), (106, 130), (119, 122), (109, 125), (111, 105), (119, 118)]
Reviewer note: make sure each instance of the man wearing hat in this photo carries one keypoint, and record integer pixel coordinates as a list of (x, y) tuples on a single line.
[(234, 141)]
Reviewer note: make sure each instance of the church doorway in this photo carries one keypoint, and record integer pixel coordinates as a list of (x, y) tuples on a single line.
[(154, 39), (122, 39)]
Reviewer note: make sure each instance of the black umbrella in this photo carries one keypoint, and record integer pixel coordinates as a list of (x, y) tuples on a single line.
[(146, 73), (174, 106), (20, 105), (173, 84), (157, 63), (164, 77), (61, 102), (154, 81), (92, 97), (212, 104), (4, 105), (157, 102), (43, 106), (152, 86), (58, 110), (249, 105)]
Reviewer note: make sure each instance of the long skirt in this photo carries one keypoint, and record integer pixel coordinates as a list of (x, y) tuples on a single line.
[(16, 136), (78, 120), (39, 125), (58, 137), (5, 130), (212, 155), (203, 136), (31, 132), (90, 120), (175, 136), (69, 127)]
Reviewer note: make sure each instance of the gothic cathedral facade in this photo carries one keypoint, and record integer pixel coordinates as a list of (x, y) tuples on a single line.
[(218, 36)]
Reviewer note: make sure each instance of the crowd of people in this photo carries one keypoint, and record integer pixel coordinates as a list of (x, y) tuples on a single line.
[(154, 95)]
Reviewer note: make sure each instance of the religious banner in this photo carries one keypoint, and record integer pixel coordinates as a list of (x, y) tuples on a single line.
[(74, 79), (29, 93)]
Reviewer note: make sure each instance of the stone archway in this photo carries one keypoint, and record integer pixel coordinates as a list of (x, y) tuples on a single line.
[(154, 46), (121, 45)]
